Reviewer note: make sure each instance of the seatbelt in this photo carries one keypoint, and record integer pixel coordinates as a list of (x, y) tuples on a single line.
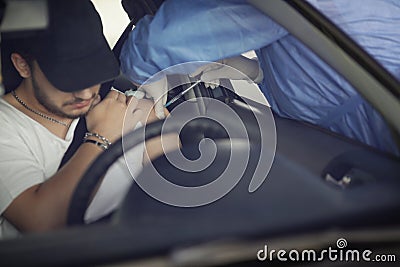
[(80, 131)]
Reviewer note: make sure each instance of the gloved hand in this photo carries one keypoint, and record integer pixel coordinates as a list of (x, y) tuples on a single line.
[(158, 91), (236, 68)]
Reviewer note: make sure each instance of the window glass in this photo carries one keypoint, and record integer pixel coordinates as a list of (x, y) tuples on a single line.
[(374, 25)]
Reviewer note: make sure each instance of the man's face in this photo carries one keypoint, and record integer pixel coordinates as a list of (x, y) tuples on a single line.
[(68, 105)]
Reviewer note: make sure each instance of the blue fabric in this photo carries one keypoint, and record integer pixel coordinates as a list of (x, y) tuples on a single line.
[(200, 30), (297, 83)]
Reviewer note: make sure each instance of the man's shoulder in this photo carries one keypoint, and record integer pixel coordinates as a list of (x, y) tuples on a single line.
[(8, 114), (12, 122)]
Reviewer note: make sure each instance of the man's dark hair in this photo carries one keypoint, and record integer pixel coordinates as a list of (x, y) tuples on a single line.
[(9, 45)]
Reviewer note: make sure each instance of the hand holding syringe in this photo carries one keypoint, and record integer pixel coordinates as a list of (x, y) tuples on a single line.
[(173, 100)]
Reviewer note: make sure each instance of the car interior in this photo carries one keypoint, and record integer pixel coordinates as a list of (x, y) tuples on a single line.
[(321, 186)]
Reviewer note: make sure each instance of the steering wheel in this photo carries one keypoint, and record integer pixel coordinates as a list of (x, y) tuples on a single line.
[(91, 178)]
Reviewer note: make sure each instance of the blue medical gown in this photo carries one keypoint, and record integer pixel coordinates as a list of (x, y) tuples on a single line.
[(296, 82)]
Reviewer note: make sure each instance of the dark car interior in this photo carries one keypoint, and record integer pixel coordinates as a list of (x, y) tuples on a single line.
[(322, 186)]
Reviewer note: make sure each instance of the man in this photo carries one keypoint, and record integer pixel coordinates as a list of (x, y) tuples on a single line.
[(296, 82), (60, 71)]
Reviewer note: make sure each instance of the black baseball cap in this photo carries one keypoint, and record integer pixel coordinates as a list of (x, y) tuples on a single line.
[(72, 52)]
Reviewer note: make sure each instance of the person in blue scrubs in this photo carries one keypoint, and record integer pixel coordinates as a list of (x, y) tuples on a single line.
[(297, 83)]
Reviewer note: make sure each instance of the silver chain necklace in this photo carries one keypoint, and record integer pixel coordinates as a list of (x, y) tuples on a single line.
[(37, 112)]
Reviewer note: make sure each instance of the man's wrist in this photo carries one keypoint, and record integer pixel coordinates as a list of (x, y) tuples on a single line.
[(101, 145), (97, 139)]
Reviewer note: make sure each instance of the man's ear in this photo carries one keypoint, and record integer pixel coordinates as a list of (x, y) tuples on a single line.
[(21, 65)]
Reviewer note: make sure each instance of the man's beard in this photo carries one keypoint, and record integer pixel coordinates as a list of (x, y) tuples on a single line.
[(44, 100)]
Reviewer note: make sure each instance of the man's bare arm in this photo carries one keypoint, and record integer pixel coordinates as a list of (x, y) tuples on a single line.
[(44, 207)]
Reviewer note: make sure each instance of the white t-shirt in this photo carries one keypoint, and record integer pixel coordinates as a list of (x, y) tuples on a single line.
[(30, 154)]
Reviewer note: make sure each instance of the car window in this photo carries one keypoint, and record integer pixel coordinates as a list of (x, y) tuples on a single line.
[(114, 19), (367, 26)]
